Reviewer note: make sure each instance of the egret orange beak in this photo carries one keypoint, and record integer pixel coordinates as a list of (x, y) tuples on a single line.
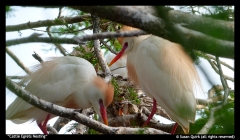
[(119, 55), (103, 112)]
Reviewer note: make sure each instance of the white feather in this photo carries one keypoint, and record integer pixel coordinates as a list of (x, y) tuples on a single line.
[(56, 80)]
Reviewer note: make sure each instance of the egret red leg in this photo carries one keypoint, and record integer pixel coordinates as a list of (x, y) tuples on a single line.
[(43, 126), (154, 109), (174, 128)]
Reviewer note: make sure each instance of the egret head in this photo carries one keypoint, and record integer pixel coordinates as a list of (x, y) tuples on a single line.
[(101, 97)]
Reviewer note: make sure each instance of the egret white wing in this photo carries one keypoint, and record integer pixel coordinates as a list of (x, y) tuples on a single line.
[(55, 82), (166, 80)]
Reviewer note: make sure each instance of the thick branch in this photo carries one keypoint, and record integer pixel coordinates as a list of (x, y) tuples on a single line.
[(43, 23), (128, 15), (132, 16), (199, 41), (216, 28), (73, 114), (55, 109)]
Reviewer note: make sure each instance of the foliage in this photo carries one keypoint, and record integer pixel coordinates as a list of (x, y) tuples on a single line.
[(216, 12), (221, 12), (87, 52), (9, 11), (224, 120), (125, 93)]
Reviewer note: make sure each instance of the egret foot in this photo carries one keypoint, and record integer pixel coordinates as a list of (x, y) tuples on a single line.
[(154, 109), (174, 128), (43, 126)]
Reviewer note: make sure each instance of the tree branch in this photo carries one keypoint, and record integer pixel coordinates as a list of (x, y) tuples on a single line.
[(199, 41), (226, 91), (109, 35), (217, 71), (108, 47), (128, 15), (138, 119), (208, 101), (212, 119), (60, 123), (16, 77), (74, 40), (132, 16), (37, 57), (52, 130), (98, 51), (19, 63), (216, 28), (73, 114), (42, 23), (34, 38), (223, 63), (58, 46)]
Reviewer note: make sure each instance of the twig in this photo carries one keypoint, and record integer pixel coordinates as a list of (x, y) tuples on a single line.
[(16, 77), (212, 120), (221, 62), (215, 88), (74, 40), (108, 47), (65, 31), (118, 68), (37, 57), (226, 92), (52, 130), (60, 123), (98, 51), (138, 119), (208, 101), (216, 70), (31, 39), (42, 23), (58, 46), (109, 35), (59, 12), (19, 63)]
